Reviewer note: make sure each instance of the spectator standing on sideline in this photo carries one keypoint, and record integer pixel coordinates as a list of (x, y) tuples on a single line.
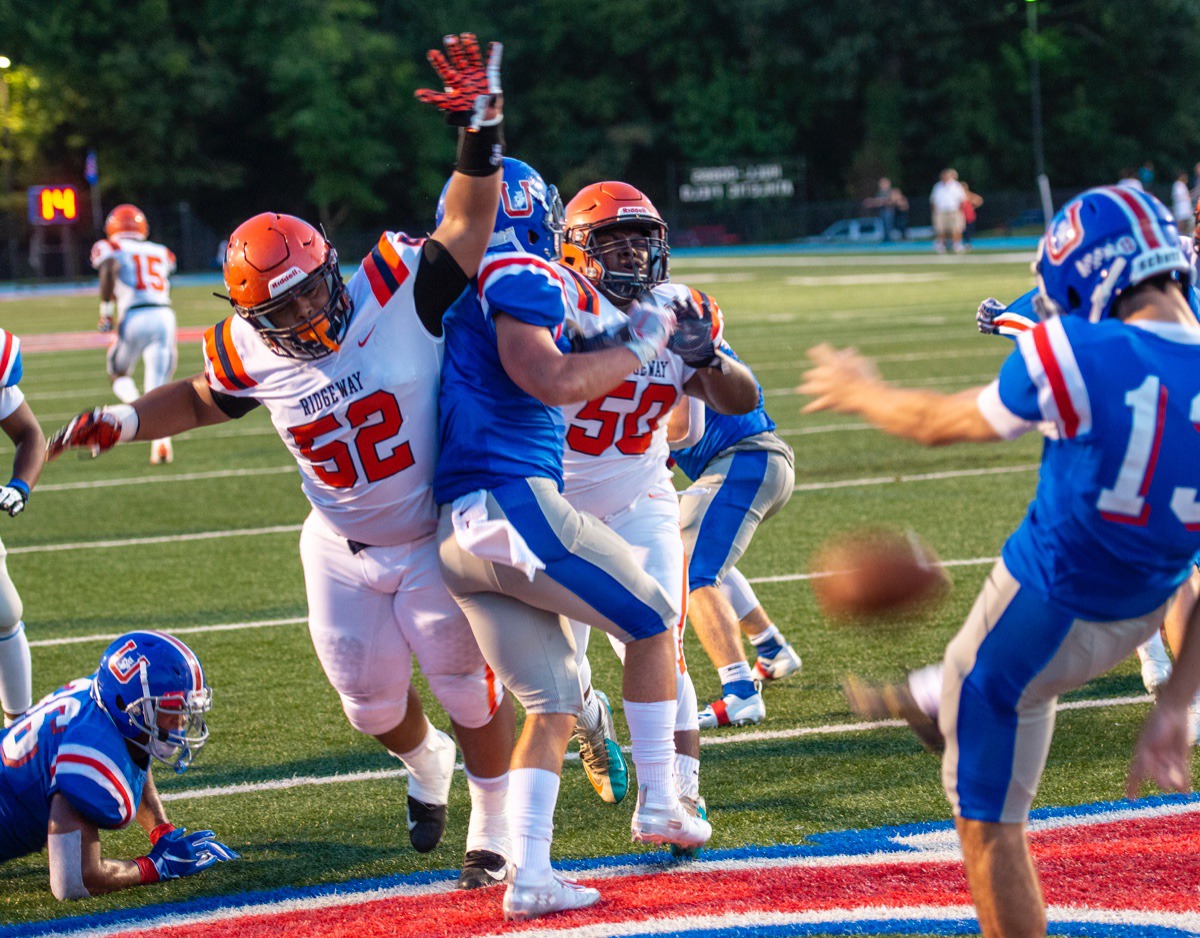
[(1145, 174), (892, 207), (1181, 203), (1129, 179), (969, 205), (946, 202)]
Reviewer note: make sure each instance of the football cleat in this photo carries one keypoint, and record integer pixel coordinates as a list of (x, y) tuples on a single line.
[(784, 663), (482, 868), (598, 750), (732, 710), (1156, 665), (696, 807), (426, 824), (161, 451), (668, 825), (427, 819), (523, 901), (893, 701)]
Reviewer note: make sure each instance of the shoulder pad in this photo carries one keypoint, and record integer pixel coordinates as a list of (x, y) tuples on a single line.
[(94, 784), (11, 367), (222, 364)]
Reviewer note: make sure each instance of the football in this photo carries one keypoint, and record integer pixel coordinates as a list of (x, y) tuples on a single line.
[(876, 574)]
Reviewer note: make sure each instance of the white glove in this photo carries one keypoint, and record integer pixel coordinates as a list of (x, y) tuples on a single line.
[(108, 309), (985, 316), (12, 498), (650, 328)]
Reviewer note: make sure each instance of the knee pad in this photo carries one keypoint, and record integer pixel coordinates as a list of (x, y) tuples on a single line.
[(736, 588), (11, 607), (377, 713), (686, 715), (470, 700)]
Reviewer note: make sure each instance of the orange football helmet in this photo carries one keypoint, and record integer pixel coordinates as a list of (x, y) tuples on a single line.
[(606, 206), (271, 261), (127, 221)]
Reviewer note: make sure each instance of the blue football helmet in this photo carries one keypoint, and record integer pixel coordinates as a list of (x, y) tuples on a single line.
[(530, 217), (1101, 243), (153, 688)]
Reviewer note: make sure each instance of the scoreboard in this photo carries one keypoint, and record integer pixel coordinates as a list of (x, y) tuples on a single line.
[(53, 205)]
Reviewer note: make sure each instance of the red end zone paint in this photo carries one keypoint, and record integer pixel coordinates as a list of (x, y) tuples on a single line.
[(81, 341), (1139, 869)]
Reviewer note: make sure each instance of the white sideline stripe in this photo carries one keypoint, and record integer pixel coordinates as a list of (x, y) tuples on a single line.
[(162, 539), (855, 260), (917, 477), (903, 357), (189, 630), (861, 280), (925, 383), (177, 477), (793, 577), (754, 736), (828, 428)]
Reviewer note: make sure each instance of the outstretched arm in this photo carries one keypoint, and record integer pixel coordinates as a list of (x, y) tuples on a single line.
[(22, 428)]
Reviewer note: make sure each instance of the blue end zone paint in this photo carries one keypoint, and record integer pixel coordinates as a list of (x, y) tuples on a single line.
[(833, 843), (913, 926)]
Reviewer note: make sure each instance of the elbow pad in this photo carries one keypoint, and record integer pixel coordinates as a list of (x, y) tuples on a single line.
[(66, 866)]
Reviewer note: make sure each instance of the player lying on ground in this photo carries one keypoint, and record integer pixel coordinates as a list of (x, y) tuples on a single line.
[(349, 373), (79, 762), (1107, 541)]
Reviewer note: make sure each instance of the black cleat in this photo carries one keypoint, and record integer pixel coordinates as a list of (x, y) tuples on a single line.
[(426, 824), (482, 868)]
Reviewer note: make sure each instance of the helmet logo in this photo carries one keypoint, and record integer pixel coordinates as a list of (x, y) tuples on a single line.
[(520, 203), (280, 283), (1094, 259), (122, 665), (633, 210), (1065, 235)]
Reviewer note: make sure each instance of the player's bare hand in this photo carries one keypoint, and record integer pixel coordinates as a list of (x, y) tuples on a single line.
[(472, 97), (1162, 754), (836, 378)]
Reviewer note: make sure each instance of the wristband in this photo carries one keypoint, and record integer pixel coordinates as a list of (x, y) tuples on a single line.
[(147, 871), (480, 152), (108, 308), (165, 828), (127, 420), (20, 486)]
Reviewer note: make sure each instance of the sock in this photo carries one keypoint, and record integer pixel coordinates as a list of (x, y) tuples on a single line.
[(686, 716), (769, 642), (736, 680), (125, 389), (926, 687), (428, 779), (488, 827), (16, 673), (532, 795), (687, 776), (652, 731)]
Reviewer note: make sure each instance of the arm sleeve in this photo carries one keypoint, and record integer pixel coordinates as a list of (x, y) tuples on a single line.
[(439, 282)]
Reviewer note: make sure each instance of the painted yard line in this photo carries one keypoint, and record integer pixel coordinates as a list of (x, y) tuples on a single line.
[(968, 380), (903, 357), (918, 477), (162, 539), (794, 577), (829, 428), (177, 477), (864, 280), (187, 630), (855, 260), (755, 736)]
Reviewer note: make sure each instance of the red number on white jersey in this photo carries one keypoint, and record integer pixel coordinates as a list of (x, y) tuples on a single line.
[(333, 462), (655, 403)]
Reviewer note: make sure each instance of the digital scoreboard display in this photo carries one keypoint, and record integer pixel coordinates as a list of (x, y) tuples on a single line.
[(53, 205)]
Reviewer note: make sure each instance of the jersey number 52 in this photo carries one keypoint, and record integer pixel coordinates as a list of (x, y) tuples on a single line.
[(377, 418)]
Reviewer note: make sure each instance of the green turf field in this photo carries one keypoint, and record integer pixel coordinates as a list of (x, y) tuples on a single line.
[(275, 718)]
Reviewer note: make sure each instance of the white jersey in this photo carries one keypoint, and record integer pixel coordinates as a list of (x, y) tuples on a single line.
[(362, 422), (143, 273), (616, 446)]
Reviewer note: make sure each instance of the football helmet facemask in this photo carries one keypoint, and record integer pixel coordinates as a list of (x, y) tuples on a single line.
[(1100, 244), (622, 268), (272, 264), (127, 221), (152, 687), (530, 216)]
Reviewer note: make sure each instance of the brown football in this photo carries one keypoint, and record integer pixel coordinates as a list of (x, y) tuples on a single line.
[(876, 573)]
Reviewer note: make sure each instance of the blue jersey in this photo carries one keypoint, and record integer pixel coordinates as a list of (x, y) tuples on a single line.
[(491, 431), (66, 744), (722, 431), (1115, 522)]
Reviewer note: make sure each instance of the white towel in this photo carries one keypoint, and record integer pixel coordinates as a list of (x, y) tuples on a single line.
[(496, 541)]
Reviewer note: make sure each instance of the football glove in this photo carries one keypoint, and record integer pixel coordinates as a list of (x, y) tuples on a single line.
[(98, 430), (985, 317), (650, 328), (13, 497), (107, 309), (692, 339), (179, 853), (472, 97), (995, 318)]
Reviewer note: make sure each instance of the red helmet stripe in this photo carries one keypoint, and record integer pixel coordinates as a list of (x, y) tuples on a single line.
[(1133, 205)]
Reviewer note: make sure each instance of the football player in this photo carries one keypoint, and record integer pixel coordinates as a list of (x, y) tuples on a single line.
[(615, 459), (518, 557), (79, 762), (1107, 541), (22, 428), (349, 373), (135, 301), (742, 474)]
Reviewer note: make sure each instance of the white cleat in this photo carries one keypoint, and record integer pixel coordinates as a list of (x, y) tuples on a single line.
[(785, 663), (669, 824), (1156, 665), (732, 710), (523, 901), (161, 451)]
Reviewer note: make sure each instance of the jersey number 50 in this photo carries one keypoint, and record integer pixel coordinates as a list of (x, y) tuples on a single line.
[(631, 442), (333, 463)]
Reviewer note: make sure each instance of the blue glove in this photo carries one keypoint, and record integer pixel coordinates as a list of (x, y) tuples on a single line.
[(179, 853)]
